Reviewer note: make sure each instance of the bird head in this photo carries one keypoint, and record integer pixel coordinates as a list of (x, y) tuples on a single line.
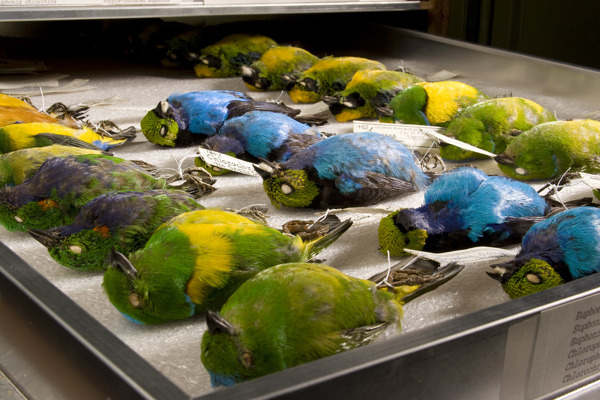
[(86, 250), (346, 108), (527, 165), (42, 214), (408, 106), (290, 188), (228, 355), (143, 294), (304, 90), (520, 278), (159, 126), (396, 234), (253, 79)]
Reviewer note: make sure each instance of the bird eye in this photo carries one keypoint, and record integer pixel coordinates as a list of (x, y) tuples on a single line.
[(246, 360), (163, 131), (135, 300), (75, 249), (286, 189), (520, 171), (533, 278)]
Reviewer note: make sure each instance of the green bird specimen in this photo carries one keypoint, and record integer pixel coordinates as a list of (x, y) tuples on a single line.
[(430, 103), (368, 90), (197, 260), (295, 313), (491, 125), (123, 221), (62, 185), (16, 166), (549, 150), (225, 58), (267, 72), (327, 77)]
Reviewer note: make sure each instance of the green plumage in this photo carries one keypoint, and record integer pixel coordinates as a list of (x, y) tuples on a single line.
[(291, 314), (196, 261), (327, 77), (491, 125), (368, 90), (267, 73), (226, 57), (549, 150)]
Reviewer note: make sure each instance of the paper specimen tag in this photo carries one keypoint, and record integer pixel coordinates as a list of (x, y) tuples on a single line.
[(416, 137), (224, 161), (592, 181), (474, 254)]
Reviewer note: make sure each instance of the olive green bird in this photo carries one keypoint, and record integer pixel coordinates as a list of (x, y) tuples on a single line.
[(549, 150), (16, 166), (225, 58), (123, 221), (491, 125), (327, 77), (196, 260), (430, 103), (366, 92), (62, 185), (295, 313)]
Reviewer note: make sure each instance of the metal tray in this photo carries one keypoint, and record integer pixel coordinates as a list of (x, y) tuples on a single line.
[(489, 352)]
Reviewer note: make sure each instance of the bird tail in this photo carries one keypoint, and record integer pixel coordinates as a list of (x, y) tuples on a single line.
[(332, 227), (415, 276)]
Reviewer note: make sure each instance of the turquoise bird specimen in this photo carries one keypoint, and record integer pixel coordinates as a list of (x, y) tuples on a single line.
[(367, 91), (38, 134), (197, 260), (266, 74), (491, 125), (346, 170), (62, 185), (326, 77), (430, 103), (226, 57), (123, 221), (189, 118), (262, 134), (463, 208), (551, 149), (291, 314), (16, 166), (558, 249)]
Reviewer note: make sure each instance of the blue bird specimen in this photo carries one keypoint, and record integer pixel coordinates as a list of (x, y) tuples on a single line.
[(345, 170), (291, 314), (561, 248), (262, 134), (463, 208), (189, 118), (62, 185), (121, 221)]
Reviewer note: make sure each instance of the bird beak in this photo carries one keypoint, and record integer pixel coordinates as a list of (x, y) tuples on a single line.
[(504, 159), (385, 111), (49, 238), (265, 168), (118, 260), (217, 324), (330, 100), (499, 272)]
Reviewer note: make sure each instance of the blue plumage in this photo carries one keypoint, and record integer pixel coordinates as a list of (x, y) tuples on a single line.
[(342, 171), (268, 135), (570, 238), (465, 207)]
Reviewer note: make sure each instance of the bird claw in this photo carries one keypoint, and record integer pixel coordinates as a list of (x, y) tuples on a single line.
[(256, 213), (307, 230), (432, 162)]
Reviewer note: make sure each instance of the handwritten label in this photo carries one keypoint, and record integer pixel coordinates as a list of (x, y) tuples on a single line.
[(224, 161), (416, 137), (474, 254), (567, 346)]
